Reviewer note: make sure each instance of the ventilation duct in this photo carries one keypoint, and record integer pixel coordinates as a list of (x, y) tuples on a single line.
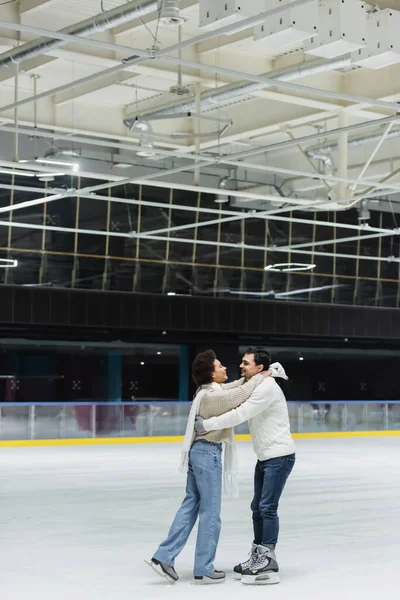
[(211, 99), (102, 22), (322, 152)]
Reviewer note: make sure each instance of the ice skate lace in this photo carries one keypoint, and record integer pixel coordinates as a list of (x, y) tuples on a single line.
[(262, 559), (249, 562)]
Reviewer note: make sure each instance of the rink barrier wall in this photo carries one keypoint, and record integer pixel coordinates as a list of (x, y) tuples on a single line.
[(179, 438), (85, 423)]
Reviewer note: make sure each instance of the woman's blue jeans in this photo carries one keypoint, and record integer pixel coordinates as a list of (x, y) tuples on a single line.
[(203, 500)]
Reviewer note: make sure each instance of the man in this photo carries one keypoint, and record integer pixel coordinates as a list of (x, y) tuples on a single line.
[(267, 414)]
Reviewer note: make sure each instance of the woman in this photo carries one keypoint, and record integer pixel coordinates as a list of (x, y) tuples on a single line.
[(201, 458)]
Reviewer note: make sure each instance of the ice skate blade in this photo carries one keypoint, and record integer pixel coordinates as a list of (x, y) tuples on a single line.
[(237, 576), (160, 572), (207, 581), (261, 579)]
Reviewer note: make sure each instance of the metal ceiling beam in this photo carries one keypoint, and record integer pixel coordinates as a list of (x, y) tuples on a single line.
[(202, 242), (221, 213), (372, 156), (35, 226), (355, 238), (312, 175), (212, 99), (84, 81), (295, 87), (273, 249), (217, 160), (125, 181), (315, 136)]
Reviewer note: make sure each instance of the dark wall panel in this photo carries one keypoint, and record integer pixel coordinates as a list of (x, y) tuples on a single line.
[(111, 310)]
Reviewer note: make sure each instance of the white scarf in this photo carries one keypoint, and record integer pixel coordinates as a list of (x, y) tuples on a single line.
[(230, 454)]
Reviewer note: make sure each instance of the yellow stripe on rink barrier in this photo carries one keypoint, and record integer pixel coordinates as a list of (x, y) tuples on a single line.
[(179, 438)]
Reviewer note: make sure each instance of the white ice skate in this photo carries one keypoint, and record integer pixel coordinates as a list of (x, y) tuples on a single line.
[(246, 565), (264, 570)]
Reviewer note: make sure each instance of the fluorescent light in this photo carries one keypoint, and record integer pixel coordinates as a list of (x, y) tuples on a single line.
[(290, 267), (19, 173), (61, 163), (171, 293), (49, 174), (8, 262)]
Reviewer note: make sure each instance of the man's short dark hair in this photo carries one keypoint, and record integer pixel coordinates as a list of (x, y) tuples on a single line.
[(261, 356), (203, 367)]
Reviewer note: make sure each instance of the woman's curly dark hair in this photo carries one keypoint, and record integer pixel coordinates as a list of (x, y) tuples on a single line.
[(203, 367)]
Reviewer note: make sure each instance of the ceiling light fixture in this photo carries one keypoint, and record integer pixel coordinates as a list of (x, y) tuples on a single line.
[(8, 263), (123, 165), (146, 150), (171, 293), (170, 14), (220, 199), (289, 267)]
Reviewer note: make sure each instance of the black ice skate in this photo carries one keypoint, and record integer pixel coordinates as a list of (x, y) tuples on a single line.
[(163, 569), (264, 570), (216, 577), (246, 565)]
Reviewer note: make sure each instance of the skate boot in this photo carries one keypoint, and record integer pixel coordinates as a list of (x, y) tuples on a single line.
[(244, 566), (216, 577), (163, 569), (264, 570)]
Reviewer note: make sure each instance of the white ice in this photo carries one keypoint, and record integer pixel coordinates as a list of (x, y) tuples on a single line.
[(77, 523)]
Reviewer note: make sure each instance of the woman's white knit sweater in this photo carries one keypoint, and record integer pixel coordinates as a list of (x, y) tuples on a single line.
[(267, 414)]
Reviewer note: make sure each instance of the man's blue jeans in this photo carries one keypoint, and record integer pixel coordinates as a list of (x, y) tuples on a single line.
[(203, 500), (270, 477)]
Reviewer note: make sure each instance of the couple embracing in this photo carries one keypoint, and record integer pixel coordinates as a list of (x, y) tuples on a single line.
[(216, 409)]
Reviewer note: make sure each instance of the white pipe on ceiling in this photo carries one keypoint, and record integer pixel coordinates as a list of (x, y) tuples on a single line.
[(101, 22)]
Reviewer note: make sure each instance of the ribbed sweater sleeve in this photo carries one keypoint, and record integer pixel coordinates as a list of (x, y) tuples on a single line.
[(233, 384), (218, 402)]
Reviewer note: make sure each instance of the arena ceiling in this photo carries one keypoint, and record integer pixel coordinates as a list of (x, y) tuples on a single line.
[(146, 149)]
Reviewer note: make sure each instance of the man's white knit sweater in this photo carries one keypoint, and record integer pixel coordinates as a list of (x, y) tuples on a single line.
[(267, 414)]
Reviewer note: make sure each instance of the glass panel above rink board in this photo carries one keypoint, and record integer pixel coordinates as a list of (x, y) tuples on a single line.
[(57, 421)]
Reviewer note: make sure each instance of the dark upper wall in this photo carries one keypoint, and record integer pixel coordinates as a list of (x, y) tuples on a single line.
[(112, 311)]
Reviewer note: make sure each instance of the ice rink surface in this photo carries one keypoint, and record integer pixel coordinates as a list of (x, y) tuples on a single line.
[(78, 522)]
